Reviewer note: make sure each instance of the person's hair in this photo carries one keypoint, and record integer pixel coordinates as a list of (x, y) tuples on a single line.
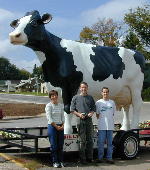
[(105, 88), (53, 92), (84, 83)]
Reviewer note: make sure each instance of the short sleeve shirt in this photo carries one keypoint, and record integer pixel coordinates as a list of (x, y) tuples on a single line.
[(106, 110), (83, 104)]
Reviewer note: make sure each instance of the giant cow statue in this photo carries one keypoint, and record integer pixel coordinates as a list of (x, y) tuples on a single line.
[(67, 63)]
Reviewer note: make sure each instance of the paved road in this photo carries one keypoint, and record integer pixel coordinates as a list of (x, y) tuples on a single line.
[(23, 98)]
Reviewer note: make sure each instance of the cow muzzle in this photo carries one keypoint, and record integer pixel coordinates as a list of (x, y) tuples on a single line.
[(17, 39)]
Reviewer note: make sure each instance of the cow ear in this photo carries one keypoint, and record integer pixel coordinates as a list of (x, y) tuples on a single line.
[(14, 23), (46, 18)]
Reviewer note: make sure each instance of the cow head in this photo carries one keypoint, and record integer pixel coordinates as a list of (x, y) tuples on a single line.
[(28, 27)]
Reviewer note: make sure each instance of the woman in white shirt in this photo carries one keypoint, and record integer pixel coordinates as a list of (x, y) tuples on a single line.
[(105, 109), (55, 117)]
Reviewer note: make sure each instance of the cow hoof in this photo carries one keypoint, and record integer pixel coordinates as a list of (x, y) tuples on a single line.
[(67, 108), (125, 127)]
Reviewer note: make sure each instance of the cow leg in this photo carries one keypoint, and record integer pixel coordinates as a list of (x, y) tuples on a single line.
[(136, 88), (70, 88), (126, 122), (66, 100), (137, 104), (67, 95)]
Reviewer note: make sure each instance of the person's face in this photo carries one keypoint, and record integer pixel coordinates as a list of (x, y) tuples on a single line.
[(54, 98), (83, 89), (105, 93)]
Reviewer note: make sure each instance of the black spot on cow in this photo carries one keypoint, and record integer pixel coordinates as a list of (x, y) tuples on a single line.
[(139, 59), (106, 62)]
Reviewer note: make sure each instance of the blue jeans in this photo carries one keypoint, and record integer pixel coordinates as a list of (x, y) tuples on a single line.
[(56, 139), (105, 135)]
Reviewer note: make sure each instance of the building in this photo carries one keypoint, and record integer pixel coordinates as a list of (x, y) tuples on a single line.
[(30, 85), (8, 85)]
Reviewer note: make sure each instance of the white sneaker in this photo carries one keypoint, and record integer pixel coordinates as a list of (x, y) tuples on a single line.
[(56, 165), (62, 164)]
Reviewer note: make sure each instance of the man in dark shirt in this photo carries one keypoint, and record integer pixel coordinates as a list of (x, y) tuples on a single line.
[(83, 106)]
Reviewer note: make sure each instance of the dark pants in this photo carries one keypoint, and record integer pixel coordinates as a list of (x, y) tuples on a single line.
[(85, 131), (56, 139)]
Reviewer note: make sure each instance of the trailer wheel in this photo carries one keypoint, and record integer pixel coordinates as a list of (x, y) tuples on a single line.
[(129, 146)]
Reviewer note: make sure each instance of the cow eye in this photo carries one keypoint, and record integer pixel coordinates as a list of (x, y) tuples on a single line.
[(34, 23), (14, 23)]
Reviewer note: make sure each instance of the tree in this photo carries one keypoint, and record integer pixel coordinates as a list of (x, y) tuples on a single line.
[(4, 68), (25, 74), (139, 21), (38, 72), (9, 71), (87, 35), (34, 70), (132, 41), (105, 32), (146, 76)]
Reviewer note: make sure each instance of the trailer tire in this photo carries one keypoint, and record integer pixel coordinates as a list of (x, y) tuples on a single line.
[(129, 146)]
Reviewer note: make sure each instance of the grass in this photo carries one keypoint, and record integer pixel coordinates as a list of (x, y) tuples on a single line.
[(33, 165), (28, 163), (146, 99), (33, 161)]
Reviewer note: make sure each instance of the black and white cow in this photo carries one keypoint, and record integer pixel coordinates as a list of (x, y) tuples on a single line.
[(66, 63)]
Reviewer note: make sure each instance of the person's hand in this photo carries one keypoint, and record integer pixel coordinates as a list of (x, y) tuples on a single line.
[(82, 116), (90, 114), (61, 127), (58, 128)]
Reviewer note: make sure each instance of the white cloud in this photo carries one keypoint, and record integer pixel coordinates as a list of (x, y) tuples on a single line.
[(113, 9), (17, 55), (5, 15), (5, 47), (27, 65), (64, 27)]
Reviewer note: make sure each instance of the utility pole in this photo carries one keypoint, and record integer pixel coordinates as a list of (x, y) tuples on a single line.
[(36, 81)]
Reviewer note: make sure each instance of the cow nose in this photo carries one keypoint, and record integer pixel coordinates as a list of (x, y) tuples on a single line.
[(18, 35)]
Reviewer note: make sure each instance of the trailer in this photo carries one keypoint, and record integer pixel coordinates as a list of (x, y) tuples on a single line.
[(126, 143)]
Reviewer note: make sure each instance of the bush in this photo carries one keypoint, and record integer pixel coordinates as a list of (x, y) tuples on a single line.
[(146, 94)]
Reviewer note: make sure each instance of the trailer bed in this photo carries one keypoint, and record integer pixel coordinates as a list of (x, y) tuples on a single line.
[(35, 139)]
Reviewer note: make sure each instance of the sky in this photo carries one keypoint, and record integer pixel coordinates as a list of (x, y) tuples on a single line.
[(69, 18)]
